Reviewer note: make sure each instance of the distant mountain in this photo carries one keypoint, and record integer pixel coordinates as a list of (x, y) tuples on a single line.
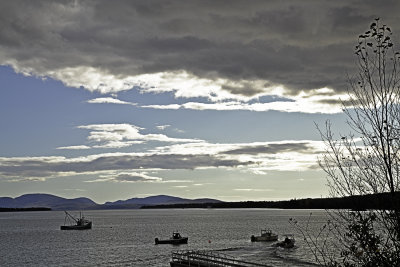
[(82, 203), (158, 200), (47, 201)]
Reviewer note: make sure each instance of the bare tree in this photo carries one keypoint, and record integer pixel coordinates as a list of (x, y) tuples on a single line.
[(366, 161)]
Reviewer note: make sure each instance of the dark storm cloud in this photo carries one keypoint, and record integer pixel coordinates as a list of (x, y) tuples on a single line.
[(244, 89), (46, 167), (272, 149), (300, 44)]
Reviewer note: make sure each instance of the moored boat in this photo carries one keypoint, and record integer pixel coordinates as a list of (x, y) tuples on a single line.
[(266, 235), (287, 242), (176, 239), (76, 223)]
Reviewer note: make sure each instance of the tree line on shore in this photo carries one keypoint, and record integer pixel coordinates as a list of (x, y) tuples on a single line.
[(380, 201), (24, 209)]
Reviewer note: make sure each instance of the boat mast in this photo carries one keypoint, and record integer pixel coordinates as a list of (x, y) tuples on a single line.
[(69, 215)]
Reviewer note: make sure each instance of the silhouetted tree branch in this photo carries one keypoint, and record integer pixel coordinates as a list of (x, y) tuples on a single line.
[(365, 161)]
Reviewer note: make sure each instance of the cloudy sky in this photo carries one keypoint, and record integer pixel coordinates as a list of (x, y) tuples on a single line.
[(119, 99)]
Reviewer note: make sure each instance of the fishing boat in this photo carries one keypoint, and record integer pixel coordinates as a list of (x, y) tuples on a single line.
[(287, 242), (72, 223), (266, 235), (176, 239)]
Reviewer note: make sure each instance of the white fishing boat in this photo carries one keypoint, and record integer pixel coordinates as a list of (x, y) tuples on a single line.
[(176, 239), (72, 223), (266, 235)]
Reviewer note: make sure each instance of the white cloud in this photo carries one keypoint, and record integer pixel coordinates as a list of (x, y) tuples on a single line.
[(112, 132), (20, 168), (177, 181), (81, 147), (109, 100), (185, 85), (275, 147), (259, 171), (252, 190), (126, 177), (121, 135), (323, 100), (163, 127), (288, 155), (256, 157), (169, 106), (117, 144), (229, 52), (91, 78), (35, 179)]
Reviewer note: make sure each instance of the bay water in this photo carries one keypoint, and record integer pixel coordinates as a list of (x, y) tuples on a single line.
[(126, 237)]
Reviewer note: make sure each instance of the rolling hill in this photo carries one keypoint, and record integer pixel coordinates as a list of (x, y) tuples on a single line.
[(82, 203)]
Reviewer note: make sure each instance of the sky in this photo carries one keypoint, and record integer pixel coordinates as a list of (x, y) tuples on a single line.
[(220, 99)]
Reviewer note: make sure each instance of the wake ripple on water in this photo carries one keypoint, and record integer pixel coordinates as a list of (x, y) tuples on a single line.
[(268, 254)]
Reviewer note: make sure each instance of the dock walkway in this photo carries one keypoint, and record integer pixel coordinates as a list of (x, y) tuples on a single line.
[(190, 258)]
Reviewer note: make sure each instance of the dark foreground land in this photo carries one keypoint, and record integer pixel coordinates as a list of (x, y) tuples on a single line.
[(23, 209), (377, 201)]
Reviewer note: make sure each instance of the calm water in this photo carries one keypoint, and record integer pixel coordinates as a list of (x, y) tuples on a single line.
[(126, 237)]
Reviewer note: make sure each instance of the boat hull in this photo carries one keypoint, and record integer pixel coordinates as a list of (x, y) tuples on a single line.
[(77, 227), (285, 245), (183, 240), (264, 238)]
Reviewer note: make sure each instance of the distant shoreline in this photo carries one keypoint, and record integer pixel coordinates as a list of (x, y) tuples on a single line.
[(380, 201), (24, 209), (43, 202)]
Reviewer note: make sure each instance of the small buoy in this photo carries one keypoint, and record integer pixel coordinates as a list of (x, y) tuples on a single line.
[(209, 241)]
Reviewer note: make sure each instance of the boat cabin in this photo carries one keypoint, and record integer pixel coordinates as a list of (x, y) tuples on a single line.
[(176, 235)]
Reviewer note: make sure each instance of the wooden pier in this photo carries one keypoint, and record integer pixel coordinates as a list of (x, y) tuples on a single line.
[(190, 258)]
